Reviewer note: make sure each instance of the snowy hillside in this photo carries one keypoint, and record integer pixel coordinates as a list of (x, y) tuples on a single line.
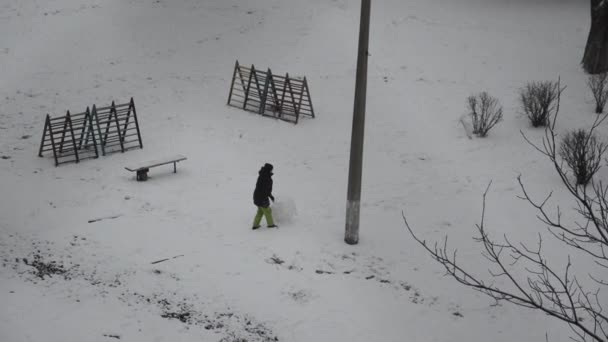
[(65, 279)]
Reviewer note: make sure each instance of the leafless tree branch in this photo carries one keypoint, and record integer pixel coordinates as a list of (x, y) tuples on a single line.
[(555, 291)]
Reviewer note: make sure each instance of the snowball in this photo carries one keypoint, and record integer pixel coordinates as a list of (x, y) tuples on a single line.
[(284, 210)]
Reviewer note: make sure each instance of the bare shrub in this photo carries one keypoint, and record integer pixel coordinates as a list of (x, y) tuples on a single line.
[(485, 113), (599, 87), (538, 101), (582, 152), (532, 279)]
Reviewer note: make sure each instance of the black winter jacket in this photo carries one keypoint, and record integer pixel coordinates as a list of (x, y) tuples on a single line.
[(263, 188)]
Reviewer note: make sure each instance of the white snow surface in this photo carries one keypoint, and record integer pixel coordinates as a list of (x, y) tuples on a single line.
[(301, 282)]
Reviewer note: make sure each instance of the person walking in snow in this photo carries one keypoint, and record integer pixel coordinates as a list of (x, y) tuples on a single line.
[(262, 196)]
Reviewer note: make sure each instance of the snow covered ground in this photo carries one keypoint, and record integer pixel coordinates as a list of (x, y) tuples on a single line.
[(300, 282)]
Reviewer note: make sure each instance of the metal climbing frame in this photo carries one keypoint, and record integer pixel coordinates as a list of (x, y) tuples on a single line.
[(262, 92), (117, 127), (65, 137), (75, 137)]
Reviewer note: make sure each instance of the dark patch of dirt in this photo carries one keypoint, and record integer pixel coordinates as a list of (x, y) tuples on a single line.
[(44, 268), (234, 326), (275, 260), (39, 261), (182, 316), (323, 272)]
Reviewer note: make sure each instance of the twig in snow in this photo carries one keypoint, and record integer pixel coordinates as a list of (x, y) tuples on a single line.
[(161, 260), (112, 336), (104, 218)]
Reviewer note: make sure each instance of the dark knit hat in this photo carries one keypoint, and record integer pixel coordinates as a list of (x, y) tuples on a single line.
[(268, 167)]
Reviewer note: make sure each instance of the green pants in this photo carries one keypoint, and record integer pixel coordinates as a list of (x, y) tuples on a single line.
[(263, 212)]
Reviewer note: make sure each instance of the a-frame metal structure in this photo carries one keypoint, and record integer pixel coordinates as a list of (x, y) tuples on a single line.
[(117, 127), (75, 137), (283, 97), (65, 137)]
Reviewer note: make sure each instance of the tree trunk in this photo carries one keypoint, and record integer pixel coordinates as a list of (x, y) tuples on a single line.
[(595, 60)]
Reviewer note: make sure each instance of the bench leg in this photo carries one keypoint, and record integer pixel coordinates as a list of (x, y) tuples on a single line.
[(174, 167), (142, 175)]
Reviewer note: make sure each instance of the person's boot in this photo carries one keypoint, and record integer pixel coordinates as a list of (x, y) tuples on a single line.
[(273, 226), (255, 227)]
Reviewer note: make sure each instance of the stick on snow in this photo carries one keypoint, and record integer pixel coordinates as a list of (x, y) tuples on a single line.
[(161, 260), (104, 218)]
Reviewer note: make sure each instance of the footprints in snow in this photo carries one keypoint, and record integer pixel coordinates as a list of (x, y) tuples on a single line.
[(301, 296), (352, 266)]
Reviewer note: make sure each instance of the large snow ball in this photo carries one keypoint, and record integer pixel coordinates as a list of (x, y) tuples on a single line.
[(284, 210)]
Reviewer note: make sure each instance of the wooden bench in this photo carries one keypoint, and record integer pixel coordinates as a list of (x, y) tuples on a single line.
[(142, 168)]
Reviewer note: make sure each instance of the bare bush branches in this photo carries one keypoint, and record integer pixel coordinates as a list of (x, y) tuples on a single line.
[(591, 235), (485, 113), (522, 275), (538, 101), (558, 294), (582, 152), (541, 287), (599, 88)]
